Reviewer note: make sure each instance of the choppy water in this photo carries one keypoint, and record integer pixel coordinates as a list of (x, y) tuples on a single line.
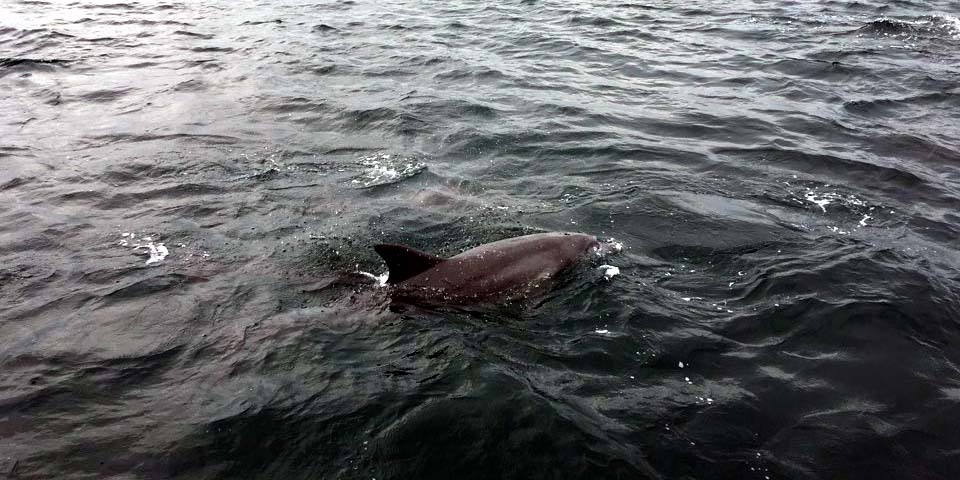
[(182, 184)]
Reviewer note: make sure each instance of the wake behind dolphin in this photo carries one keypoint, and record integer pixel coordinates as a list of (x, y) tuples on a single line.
[(488, 272)]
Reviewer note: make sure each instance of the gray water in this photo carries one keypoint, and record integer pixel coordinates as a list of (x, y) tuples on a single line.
[(185, 187)]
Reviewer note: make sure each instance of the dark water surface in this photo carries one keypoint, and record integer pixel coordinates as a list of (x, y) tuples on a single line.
[(785, 177)]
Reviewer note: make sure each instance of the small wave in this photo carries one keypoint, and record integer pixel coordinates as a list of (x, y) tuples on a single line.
[(210, 49), (183, 190), (112, 6), (188, 33), (148, 137), (192, 85), (12, 62), (323, 70), (106, 95), (592, 21), (20, 65), (12, 183), (287, 105), (919, 105), (478, 73), (141, 21), (886, 26), (383, 118), (837, 166), (933, 26), (31, 35), (262, 22)]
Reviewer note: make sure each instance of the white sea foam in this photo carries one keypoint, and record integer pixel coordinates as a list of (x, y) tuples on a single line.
[(383, 169), (954, 23), (609, 271), (944, 24), (821, 199), (156, 251)]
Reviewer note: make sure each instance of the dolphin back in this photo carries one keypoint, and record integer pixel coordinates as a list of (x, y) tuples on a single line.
[(405, 262)]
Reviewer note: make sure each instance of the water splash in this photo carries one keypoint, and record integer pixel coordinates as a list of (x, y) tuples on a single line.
[(379, 280), (384, 169)]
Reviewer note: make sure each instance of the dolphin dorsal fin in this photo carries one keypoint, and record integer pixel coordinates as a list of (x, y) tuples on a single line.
[(405, 262)]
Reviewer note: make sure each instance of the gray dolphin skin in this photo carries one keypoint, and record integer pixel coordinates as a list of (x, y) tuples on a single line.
[(487, 272)]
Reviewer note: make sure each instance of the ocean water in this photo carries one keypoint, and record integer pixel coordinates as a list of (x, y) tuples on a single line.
[(185, 187)]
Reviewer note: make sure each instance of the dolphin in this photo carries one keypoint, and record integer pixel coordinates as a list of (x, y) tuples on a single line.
[(497, 270)]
